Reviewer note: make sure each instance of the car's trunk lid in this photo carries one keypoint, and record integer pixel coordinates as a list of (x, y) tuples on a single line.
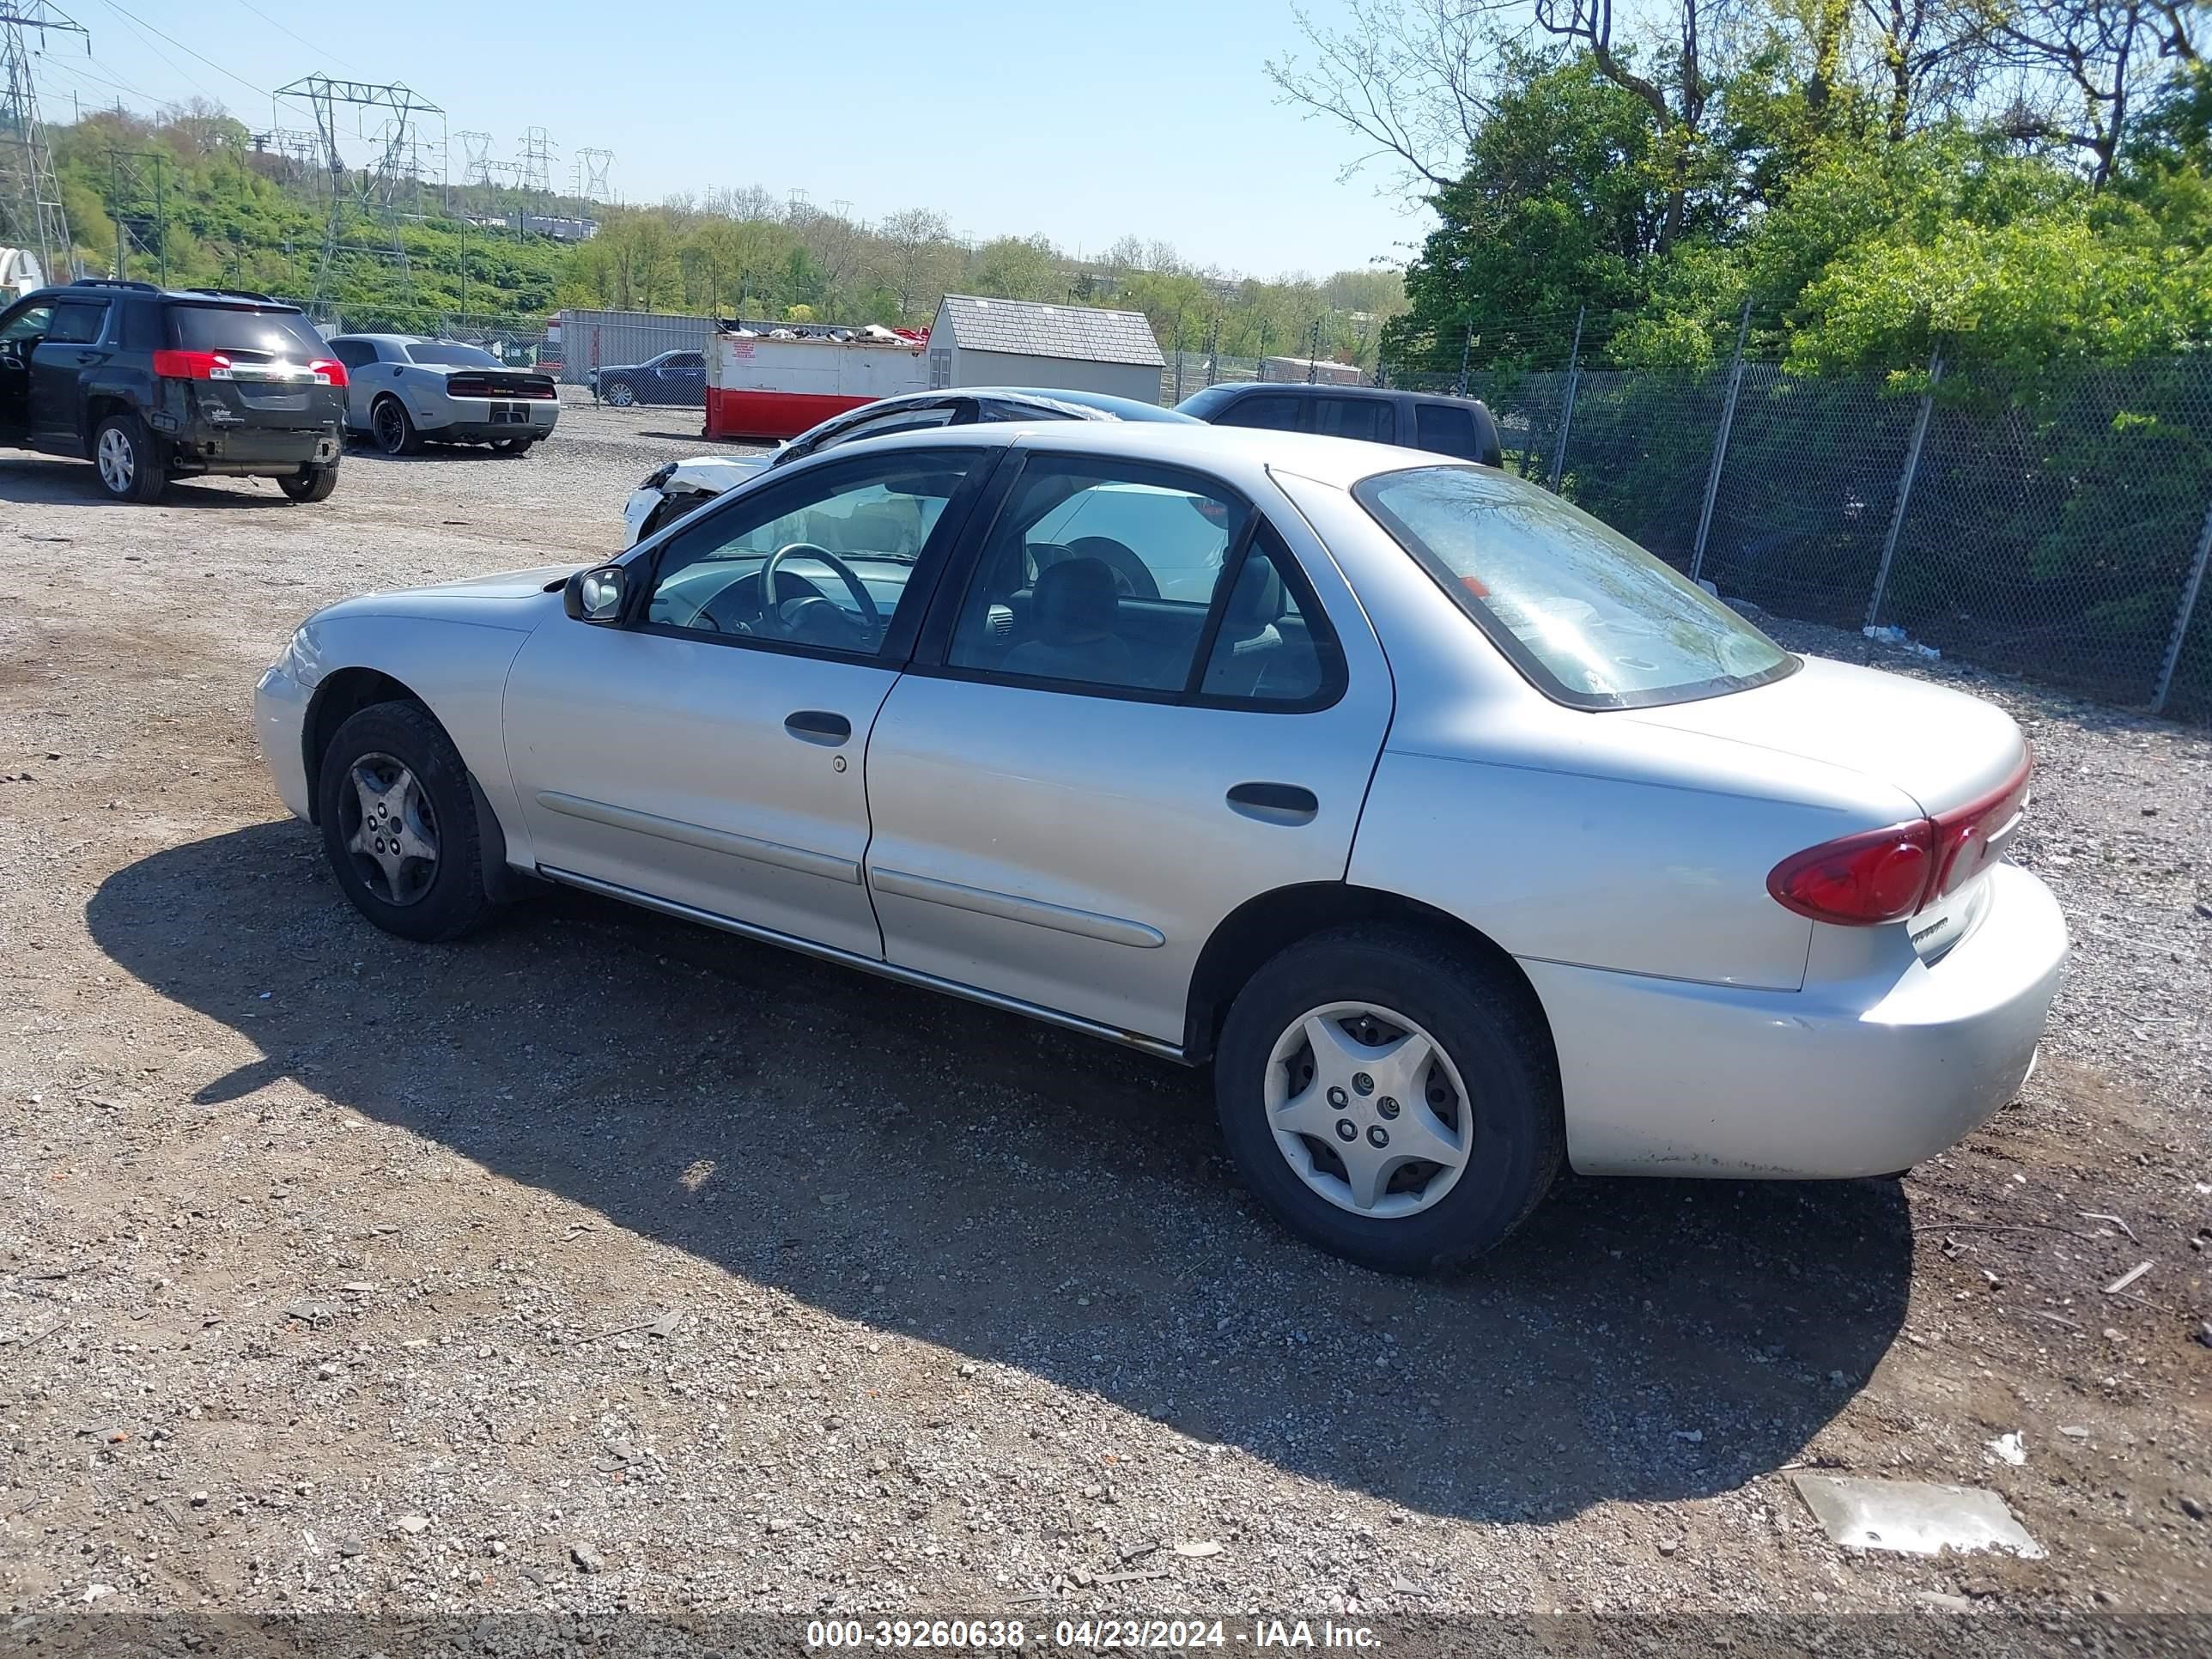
[(1942, 748)]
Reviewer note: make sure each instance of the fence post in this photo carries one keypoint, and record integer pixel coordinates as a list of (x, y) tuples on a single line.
[(1466, 349), (2181, 615), (1905, 486), (1720, 443), (1567, 407)]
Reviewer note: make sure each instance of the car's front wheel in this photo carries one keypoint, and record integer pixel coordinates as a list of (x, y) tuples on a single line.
[(399, 823), (129, 464), (310, 483), (1390, 1098), (394, 428), (620, 394)]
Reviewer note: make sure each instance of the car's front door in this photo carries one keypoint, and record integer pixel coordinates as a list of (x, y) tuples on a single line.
[(21, 329), (72, 349), (1097, 762), (681, 378), (709, 749)]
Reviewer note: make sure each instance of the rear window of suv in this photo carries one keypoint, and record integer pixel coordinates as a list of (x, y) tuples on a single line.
[(1588, 616), (285, 334)]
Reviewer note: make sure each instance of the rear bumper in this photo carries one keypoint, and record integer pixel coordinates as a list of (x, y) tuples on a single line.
[(1664, 1076), (258, 451), (479, 421), (280, 717)]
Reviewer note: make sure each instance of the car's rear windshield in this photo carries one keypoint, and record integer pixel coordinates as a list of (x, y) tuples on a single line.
[(452, 352), (285, 334), (1591, 618)]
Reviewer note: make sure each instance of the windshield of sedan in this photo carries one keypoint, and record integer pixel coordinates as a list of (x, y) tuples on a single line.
[(1590, 618), (453, 353)]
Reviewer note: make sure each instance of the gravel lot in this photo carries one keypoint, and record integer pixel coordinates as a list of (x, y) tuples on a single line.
[(603, 1262)]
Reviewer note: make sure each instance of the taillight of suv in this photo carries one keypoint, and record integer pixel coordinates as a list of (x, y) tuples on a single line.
[(176, 365)]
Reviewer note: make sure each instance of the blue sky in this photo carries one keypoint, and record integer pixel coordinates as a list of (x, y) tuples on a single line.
[(1150, 118)]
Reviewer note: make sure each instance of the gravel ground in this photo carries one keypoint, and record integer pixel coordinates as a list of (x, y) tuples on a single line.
[(600, 1262)]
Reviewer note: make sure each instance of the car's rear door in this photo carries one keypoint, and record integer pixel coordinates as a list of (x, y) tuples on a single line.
[(1072, 785), (707, 752)]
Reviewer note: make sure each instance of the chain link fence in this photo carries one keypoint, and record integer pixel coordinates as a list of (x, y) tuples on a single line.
[(2058, 530)]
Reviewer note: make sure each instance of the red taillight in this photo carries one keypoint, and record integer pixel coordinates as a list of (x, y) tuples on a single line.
[(192, 366), (1860, 880), (329, 370), (1886, 875)]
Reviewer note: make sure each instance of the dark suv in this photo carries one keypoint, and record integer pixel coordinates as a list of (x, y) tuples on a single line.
[(1411, 420), (152, 385)]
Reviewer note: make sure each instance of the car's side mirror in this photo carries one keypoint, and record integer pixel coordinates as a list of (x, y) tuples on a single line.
[(596, 595)]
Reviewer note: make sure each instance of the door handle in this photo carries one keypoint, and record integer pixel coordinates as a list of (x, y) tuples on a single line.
[(818, 725), (1274, 803), (90, 357)]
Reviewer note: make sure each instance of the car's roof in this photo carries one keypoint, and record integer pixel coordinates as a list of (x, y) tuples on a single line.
[(236, 299), (1228, 450), (399, 339)]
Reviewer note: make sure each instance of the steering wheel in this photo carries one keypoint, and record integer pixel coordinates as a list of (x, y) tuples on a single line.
[(769, 604)]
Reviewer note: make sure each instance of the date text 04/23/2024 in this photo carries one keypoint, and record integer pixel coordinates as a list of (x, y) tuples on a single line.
[(1093, 1635)]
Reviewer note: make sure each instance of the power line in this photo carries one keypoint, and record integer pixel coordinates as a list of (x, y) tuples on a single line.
[(173, 64), (294, 34), (132, 17)]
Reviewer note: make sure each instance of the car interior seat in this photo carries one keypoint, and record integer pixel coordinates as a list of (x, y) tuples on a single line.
[(1073, 616)]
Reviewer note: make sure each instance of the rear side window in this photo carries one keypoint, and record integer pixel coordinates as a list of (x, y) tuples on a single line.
[(1273, 645), (1447, 430), (76, 323), (272, 334), (1366, 418), (1591, 618), (1275, 413)]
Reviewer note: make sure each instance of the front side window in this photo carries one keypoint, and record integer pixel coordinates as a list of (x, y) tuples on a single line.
[(686, 360), (1590, 618), (29, 324), (823, 561), (1098, 574), (354, 354)]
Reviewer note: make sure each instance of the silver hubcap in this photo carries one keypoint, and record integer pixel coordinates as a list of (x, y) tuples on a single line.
[(390, 830), (619, 395), (118, 463), (1367, 1110)]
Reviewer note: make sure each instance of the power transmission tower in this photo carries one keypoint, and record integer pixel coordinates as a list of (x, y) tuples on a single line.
[(30, 196), (593, 167), (535, 160), (379, 184), (476, 157)]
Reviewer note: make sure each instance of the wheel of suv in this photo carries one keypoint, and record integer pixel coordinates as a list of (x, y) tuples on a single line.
[(1389, 1098), (129, 464), (399, 823), (393, 427), (620, 394), (310, 483)]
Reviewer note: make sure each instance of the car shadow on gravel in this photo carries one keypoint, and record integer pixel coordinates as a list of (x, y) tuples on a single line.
[(72, 484), (1034, 1199)]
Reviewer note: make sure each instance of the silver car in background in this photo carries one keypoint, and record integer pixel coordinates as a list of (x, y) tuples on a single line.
[(407, 389), (1461, 835)]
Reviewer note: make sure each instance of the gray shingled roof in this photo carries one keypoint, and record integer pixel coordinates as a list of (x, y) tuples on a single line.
[(1035, 330)]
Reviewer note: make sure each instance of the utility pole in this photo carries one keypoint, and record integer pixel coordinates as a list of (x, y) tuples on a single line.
[(30, 195)]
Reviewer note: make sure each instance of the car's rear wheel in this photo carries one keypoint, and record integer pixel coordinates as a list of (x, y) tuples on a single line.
[(394, 428), (512, 446), (399, 823), (620, 394), (310, 483), (1389, 1097), (128, 462)]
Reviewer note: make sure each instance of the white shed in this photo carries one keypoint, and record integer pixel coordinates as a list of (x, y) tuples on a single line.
[(1026, 343)]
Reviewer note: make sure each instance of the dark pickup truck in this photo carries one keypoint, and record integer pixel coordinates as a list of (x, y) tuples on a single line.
[(151, 384)]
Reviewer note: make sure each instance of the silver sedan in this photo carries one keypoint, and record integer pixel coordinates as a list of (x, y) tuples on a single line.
[(1462, 836)]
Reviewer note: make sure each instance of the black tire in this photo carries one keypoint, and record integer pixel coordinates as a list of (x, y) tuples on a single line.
[(310, 483), (394, 428), (620, 394), (1489, 1024), (127, 461), (512, 446), (453, 901)]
